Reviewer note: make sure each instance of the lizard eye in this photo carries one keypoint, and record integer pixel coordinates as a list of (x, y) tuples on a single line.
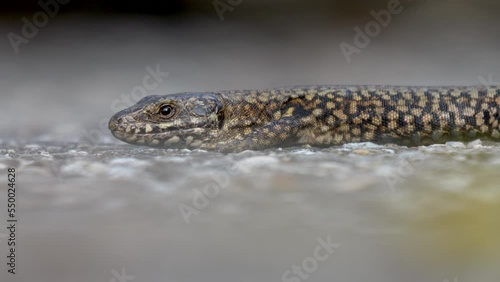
[(167, 111)]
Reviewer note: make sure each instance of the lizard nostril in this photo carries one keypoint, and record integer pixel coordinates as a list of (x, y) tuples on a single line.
[(112, 124)]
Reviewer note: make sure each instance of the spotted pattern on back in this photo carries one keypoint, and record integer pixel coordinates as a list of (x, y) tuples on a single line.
[(325, 116)]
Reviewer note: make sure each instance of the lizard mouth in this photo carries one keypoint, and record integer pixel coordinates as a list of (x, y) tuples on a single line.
[(157, 135)]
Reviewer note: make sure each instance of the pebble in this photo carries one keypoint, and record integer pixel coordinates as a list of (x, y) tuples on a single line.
[(475, 144), (455, 145), (33, 146), (248, 164), (46, 154), (361, 152), (77, 153), (362, 145)]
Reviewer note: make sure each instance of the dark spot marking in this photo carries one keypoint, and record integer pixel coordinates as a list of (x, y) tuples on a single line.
[(419, 123), (487, 116), (435, 123), (443, 106), (451, 122), (401, 119)]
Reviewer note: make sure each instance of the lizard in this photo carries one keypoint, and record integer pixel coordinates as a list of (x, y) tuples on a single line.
[(320, 116)]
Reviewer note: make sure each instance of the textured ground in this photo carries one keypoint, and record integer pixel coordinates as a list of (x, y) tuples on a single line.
[(91, 206), (422, 214)]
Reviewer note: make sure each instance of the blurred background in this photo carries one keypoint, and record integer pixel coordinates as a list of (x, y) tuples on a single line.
[(83, 55), (92, 206)]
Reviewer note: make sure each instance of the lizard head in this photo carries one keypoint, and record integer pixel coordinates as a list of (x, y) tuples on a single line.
[(186, 120)]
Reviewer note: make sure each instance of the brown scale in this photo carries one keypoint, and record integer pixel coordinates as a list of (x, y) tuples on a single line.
[(318, 116)]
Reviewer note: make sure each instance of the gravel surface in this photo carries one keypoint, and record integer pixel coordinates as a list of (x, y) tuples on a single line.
[(423, 213)]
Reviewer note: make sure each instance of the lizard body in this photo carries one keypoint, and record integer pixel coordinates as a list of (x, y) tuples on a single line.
[(315, 115)]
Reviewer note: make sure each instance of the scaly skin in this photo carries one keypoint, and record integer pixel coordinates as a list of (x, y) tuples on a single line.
[(316, 115)]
